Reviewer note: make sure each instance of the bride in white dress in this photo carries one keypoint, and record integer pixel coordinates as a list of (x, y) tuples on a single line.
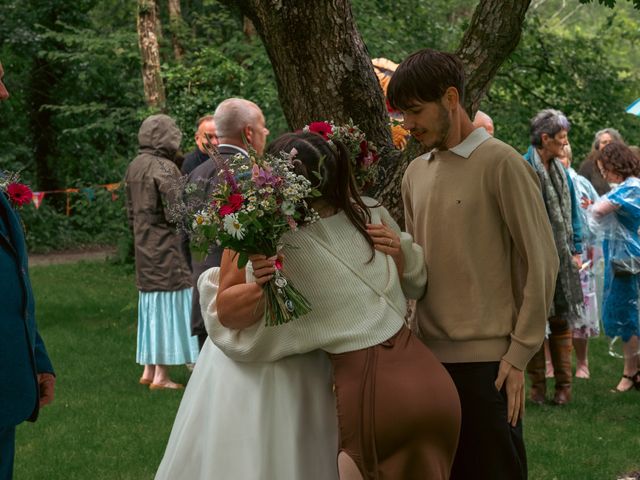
[(253, 421)]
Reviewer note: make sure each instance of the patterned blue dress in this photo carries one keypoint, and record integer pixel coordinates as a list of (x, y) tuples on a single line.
[(620, 314)]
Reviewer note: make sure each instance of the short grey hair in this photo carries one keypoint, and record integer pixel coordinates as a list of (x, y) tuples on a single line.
[(547, 121), (233, 115), (615, 135)]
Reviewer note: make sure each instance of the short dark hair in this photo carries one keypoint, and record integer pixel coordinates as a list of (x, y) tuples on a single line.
[(616, 157), (424, 76)]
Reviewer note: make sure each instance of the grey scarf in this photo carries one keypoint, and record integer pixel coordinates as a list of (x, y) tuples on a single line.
[(567, 300)]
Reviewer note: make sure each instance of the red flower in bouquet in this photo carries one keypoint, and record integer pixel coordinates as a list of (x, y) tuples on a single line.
[(234, 203), (323, 128), (19, 194), (367, 156)]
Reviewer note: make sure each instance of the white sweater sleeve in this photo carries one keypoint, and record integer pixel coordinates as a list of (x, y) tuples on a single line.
[(254, 343), (414, 276)]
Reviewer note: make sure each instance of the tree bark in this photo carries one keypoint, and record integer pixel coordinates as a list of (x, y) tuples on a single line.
[(324, 72), (41, 85), (150, 53), (177, 28), (493, 35)]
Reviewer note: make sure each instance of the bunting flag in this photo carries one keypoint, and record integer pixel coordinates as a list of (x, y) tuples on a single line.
[(37, 199), (90, 193), (112, 187)]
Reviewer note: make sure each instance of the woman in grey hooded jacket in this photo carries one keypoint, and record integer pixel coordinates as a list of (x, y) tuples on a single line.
[(163, 276)]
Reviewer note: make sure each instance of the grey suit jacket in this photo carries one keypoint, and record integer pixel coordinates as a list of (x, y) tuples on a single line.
[(202, 175)]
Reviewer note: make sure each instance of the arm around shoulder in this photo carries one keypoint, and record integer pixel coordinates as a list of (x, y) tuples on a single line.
[(414, 273)]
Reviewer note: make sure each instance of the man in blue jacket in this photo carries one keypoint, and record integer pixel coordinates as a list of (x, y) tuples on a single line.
[(26, 376)]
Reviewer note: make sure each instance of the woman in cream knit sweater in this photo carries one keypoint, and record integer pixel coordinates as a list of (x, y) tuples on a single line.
[(397, 408)]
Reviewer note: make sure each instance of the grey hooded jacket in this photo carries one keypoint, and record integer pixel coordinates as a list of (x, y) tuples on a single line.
[(149, 181)]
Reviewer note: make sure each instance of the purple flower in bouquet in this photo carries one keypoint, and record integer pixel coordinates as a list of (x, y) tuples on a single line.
[(262, 176), (248, 209)]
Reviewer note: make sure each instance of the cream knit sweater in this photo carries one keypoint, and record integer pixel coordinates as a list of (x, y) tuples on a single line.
[(355, 303)]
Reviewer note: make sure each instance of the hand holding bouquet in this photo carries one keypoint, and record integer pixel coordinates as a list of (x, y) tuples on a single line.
[(252, 204)]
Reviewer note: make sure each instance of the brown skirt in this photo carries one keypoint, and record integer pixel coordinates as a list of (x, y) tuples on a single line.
[(398, 410)]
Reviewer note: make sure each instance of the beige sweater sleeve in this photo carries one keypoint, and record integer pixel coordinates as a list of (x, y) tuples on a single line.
[(520, 201)]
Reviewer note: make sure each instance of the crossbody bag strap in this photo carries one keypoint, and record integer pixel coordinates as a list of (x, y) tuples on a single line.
[(324, 245)]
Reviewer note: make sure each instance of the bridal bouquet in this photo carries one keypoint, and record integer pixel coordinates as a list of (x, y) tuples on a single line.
[(253, 203), (363, 154)]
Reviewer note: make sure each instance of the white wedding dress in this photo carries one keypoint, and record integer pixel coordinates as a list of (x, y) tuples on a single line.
[(254, 421)]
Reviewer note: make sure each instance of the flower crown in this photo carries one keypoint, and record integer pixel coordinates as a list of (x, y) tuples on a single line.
[(363, 154)]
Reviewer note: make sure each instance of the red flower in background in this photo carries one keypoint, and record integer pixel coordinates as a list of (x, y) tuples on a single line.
[(19, 194), (323, 128), (234, 203)]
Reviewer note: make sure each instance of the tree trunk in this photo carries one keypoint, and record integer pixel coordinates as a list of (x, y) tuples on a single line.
[(322, 66), (177, 28), (324, 72), (41, 85), (150, 53), (483, 51)]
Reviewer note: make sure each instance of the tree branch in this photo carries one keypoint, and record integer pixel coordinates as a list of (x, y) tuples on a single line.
[(493, 34)]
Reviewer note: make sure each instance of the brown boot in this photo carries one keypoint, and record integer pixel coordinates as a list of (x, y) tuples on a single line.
[(536, 371), (560, 346)]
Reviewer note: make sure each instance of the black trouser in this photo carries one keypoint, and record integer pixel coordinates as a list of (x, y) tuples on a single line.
[(489, 448)]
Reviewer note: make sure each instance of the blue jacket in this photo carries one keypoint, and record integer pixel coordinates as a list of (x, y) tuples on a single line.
[(22, 352), (576, 222)]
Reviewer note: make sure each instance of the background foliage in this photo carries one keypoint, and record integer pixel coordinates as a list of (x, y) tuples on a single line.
[(73, 69)]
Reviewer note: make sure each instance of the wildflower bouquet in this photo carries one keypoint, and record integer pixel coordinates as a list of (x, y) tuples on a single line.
[(363, 154), (253, 203)]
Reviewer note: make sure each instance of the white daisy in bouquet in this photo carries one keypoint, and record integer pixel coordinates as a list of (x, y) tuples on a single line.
[(253, 203)]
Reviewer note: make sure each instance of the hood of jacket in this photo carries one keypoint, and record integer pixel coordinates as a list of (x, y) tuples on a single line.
[(160, 136)]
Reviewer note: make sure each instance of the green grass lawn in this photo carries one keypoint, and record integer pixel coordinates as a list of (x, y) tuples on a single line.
[(103, 425)]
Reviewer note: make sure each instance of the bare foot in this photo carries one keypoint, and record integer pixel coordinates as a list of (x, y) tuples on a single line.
[(582, 371), (625, 385)]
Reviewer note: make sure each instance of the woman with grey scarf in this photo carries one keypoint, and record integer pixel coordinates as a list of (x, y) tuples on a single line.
[(549, 135)]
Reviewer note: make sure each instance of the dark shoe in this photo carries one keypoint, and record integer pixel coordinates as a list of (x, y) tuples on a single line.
[(562, 396), (537, 396)]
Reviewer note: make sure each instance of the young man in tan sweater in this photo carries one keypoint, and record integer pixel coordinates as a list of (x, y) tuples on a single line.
[(476, 209)]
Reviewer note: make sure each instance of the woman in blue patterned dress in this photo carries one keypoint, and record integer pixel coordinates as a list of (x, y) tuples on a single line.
[(618, 213)]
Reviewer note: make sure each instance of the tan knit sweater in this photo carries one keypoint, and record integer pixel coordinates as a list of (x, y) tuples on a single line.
[(478, 213), (355, 303)]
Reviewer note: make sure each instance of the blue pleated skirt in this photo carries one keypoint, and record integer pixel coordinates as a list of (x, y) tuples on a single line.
[(164, 328)]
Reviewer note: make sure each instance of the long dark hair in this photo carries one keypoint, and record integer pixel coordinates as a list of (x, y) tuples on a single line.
[(328, 167)]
